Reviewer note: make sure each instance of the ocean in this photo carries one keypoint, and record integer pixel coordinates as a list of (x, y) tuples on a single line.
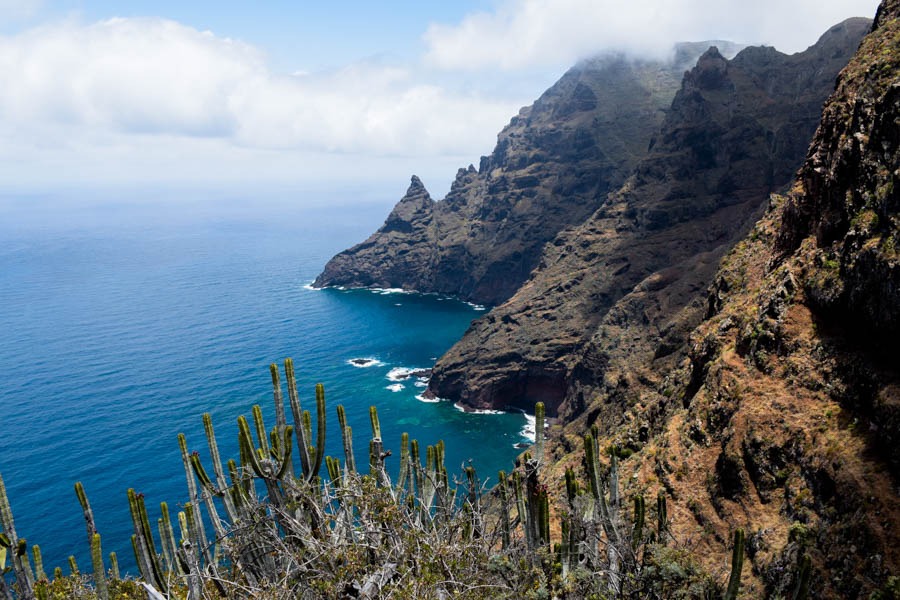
[(122, 322)]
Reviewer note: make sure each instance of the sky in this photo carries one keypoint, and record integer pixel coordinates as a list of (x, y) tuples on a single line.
[(346, 95)]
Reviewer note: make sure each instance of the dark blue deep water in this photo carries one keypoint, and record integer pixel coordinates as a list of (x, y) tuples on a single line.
[(122, 322)]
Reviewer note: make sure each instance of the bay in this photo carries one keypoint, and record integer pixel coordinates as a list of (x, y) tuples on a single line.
[(124, 321)]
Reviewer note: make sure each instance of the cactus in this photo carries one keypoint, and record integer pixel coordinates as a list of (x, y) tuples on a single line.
[(39, 573), (114, 566), (376, 451), (347, 437), (522, 510), (505, 527), (662, 518), (404, 464), (737, 563), (193, 496), (303, 435), (376, 424), (278, 398), (86, 509), (145, 551), (167, 540), (637, 532), (73, 566), (99, 568), (539, 431), (24, 576), (801, 589), (473, 499)]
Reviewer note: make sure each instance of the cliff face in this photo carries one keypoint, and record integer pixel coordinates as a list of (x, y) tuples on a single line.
[(730, 137), (779, 410), (552, 167)]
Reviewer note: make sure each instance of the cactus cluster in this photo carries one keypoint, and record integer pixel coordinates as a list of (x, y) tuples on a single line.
[(281, 525)]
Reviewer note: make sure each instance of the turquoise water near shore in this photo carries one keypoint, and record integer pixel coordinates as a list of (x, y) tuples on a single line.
[(122, 324)]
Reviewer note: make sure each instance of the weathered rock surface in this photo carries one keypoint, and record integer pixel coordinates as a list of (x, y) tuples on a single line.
[(731, 136), (552, 167), (780, 414)]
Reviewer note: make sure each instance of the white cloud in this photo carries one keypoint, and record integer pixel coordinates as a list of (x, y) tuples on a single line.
[(527, 33), (75, 96)]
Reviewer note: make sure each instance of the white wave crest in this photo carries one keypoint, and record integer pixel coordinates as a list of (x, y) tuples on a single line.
[(396, 387), (422, 398), (529, 428), (404, 373)]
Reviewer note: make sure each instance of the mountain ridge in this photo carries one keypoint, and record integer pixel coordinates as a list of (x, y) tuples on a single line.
[(551, 168), (728, 140)]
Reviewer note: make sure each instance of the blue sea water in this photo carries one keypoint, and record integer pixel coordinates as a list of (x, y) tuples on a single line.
[(122, 322)]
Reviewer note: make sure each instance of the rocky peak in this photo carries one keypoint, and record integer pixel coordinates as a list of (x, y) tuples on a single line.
[(711, 71), (415, 206)]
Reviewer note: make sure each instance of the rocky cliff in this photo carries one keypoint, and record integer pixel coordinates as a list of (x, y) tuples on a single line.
[(780, 413), (552, 167), (736, 130)]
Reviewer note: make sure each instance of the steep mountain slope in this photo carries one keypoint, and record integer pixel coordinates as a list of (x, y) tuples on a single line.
[(733, 134), (552, 167), (783, 418)]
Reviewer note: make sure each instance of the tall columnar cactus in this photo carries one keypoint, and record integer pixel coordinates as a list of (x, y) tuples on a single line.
[(539, 431), (114, 566), (801, 589), (637, 532), (737, 564), (145, 549), (505, 526), (86, 509), (347, 437), (311, 457), (522, 510), (404, 475), (662, 518), (24, 576), (615, 552), (473, 500), (39, 572), (193, 495), (377, 453), (99, 569)]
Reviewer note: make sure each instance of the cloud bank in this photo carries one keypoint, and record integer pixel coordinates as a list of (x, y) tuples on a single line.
[(151, 99), (524, 33), (158, 77)]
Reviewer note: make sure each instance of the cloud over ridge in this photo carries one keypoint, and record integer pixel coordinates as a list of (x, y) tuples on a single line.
[(524, 33)]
